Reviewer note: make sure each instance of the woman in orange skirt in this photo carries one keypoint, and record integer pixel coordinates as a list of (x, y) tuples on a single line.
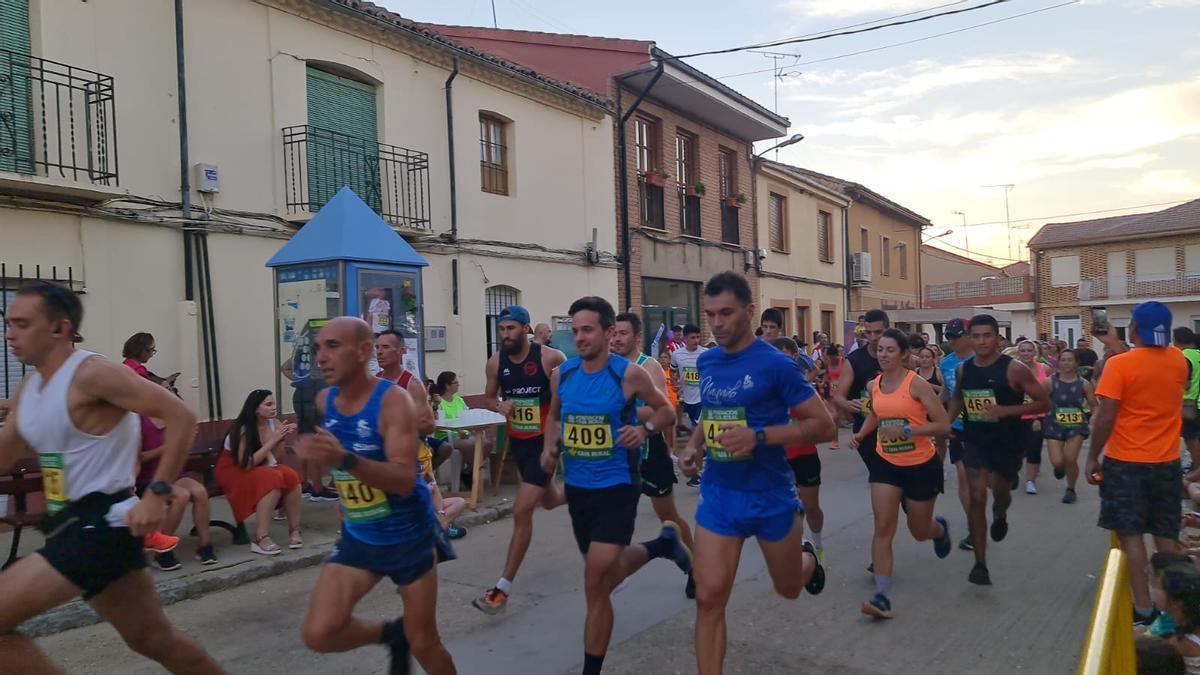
[(253, 480)]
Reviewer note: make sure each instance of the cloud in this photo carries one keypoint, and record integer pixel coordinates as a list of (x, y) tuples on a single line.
[(1169, 182), (843, 8), (1165, 4)]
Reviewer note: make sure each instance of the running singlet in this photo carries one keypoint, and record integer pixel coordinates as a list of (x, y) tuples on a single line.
[(1066, 416), (865, 368), (528, 387), (75, 464), (981, 386), (686, 364), (900, 409), (592, 409), (369, 514), (949, 367), (756, 387)]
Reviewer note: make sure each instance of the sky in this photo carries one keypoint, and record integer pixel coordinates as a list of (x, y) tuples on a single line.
[(1087, 106)]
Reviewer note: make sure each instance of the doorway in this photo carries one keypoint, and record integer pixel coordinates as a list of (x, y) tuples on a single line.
[(1068, 328)]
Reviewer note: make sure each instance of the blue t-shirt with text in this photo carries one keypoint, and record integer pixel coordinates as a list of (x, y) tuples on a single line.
[(756, 387)]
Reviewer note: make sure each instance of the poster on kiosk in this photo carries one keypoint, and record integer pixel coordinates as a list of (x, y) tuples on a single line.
[(345, 261)]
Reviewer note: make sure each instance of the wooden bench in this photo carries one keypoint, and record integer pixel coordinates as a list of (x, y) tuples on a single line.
[(203, 461), (25, 479)]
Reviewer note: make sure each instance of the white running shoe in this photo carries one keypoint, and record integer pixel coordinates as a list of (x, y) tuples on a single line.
[(1030, 488)]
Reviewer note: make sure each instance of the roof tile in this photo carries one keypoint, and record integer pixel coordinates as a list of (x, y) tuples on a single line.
[(1182, 218)]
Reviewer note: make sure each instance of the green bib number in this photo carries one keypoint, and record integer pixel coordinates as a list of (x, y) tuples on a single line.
[(897, 446), (526, 416), (588, 436), (54, 481), (974, 402), (713, 420), (360, 502), (691, 376)]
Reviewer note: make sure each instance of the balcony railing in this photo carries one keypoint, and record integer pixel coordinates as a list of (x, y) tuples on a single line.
[(689, 213), (651, 199), (1125, 288), (730, 224), (56, 120), (394, 181), (980, 293)]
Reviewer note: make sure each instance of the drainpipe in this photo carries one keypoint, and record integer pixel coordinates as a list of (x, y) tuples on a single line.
[(185, 187), (623, 171), (846, 255), (450, 144)]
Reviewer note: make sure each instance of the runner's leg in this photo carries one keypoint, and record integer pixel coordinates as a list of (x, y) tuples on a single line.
[(330, 625), (1001, 496), (1071, 450), (920, 519), (885, 504), (420, 625), (131, 605), (528, 497), (1054, 448), (978, 481), (814, 517), (964, 488), (781, 556), (28, 588), (667, 511), (716, 565), (601, 569), (553, 495)]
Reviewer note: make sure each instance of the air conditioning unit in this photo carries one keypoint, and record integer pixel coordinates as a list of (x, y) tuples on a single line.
[(1085, 289), (860, 268)]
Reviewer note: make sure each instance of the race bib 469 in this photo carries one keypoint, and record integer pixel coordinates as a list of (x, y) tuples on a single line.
[(975, 401)]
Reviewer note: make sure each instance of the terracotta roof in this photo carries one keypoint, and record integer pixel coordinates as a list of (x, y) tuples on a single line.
[(934, 250), (1017, 269), (374, 11), (859, 192), (1182, 218)]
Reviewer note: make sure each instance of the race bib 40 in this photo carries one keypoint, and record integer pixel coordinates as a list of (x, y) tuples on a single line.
[(361, 502)]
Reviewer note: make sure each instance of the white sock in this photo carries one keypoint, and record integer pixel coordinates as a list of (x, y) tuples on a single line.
[(816, 539), (504, 585)]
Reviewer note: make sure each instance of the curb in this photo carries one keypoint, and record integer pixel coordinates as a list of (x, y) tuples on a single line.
[(77, 614)]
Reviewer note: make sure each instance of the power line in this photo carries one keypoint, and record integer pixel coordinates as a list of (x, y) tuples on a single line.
[(885, 18), (826, 36), (974, 253), (1080, 213), (908, 42)]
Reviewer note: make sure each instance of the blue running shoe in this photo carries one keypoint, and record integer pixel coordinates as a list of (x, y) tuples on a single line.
[(680, 553), (816, 584), (878, 607), (942, 545)]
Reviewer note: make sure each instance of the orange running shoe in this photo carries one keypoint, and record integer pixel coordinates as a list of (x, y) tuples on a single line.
[(833, 445), (159, 542), (493, 602)]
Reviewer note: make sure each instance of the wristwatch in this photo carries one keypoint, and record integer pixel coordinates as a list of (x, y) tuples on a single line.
[(649, 427), (907, 433), (760, 435), (349, 461), (160, 488)]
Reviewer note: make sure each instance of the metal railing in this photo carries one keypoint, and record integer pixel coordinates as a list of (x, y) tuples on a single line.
[(1005, 289), (689, 213), (731, 228), (56, 120), (1166, 284), (12, 277), (650, 197), (318, 162), (493, 171), (1109, 646)]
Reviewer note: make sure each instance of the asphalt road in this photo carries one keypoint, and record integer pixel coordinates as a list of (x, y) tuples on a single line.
[(1030, 621)]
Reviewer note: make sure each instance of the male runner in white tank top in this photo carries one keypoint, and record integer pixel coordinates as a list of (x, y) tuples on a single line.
[(76, 413)]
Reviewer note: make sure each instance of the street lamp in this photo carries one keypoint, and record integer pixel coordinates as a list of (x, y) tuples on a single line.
[(939, 236), (966, 232), (796, 138)]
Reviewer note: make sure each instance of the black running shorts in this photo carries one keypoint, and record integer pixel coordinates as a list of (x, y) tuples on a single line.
[(603, 515), (955, 445), (807, 469), (1031, 441), (657, 470), (91, 557), (1003, 460), (527, 453), (919, 483)]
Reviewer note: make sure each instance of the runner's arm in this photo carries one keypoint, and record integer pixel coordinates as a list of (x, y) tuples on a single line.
[(659, 379), (1022, 379), (551, 430), (870, 423), (637, 383), (491, 391), (815, 425), (12, 447), (956, 401), (845, 381), (422, 411), (398, 474), (120, 387), (939, 421)]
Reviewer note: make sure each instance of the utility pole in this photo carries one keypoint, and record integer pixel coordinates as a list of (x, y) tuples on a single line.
[(1007, 220), (494, 24), (966, 233), (776, 57)]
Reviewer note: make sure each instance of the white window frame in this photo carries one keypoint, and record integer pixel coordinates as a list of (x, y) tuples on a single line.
[(1154, 264), (1064, 270), (1191, 261)]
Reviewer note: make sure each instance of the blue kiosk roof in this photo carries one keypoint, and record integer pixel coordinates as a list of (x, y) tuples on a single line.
[(346, 229)]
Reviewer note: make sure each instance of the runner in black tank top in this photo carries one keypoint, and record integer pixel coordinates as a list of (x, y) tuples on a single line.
[(990, 395), (862, 367), (520, 372)]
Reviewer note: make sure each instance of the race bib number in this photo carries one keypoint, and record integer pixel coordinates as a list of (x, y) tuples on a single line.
[(865, 401), (975, 400), (54, 481), (1069, 417), (691, 377), (714, 420), (360, 502), (526, 416), (899, 445), (588, 436)]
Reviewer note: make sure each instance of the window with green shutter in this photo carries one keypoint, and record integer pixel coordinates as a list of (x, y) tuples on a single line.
[(343, 141), (16, 113)]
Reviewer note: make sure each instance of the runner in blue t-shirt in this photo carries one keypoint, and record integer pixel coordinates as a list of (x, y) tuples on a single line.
[(593, 413), (956, 334), (749, 390)]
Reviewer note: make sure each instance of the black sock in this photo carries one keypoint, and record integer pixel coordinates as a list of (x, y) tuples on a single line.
[(592, 664), (658, 548), (393, 632)]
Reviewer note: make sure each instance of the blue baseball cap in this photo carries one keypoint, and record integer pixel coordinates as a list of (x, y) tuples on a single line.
[(1152, 320), (515, 313), (805, 362)]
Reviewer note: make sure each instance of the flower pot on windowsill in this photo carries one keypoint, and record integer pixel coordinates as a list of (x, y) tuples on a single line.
[(657, 180), (733, 203), (690, 191)]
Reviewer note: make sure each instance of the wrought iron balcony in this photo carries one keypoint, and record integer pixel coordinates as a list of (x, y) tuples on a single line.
[(392, 180), (650, 196), (56, 120), (982, 293), (689, 213)]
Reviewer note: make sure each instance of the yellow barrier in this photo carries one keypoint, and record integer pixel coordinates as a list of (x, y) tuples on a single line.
[(1109, 648)]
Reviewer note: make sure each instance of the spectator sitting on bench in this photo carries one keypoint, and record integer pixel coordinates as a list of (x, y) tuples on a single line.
[(185, 490), (253, 480)]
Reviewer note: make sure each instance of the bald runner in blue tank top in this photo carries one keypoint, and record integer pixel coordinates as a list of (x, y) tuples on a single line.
[(752, 495)]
